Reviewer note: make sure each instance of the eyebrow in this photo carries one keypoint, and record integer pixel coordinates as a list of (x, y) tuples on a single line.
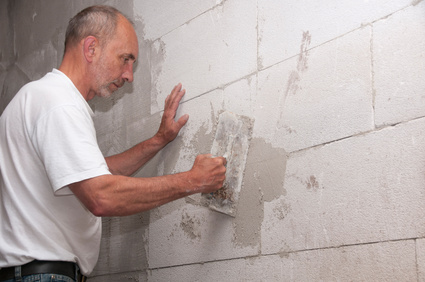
[(129, 55)]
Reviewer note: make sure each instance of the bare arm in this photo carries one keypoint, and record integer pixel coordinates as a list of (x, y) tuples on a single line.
[(118, 194), (130, 161), (113, 195)]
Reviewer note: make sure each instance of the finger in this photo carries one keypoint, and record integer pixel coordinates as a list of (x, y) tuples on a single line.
[(176, 90), (224, 161), (183, 120), (173, 100), (177, 98)]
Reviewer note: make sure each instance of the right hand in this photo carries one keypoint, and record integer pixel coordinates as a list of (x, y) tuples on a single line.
[(208, 173)]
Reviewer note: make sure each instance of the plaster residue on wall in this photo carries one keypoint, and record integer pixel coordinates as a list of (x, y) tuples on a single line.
[(198, 133), (157, 57), (263, 181), (191, 226), (152, 52), (329, 101), (194, 139), (293, 83)]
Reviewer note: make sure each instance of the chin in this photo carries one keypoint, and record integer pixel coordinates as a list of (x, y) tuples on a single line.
[(105, 92)]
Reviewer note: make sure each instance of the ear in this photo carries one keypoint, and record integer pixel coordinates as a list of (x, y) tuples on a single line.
[(90, 48)]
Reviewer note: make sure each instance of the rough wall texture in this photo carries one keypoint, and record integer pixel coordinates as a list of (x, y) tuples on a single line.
[(334, 185)]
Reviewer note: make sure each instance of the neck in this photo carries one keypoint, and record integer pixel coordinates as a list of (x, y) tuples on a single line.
[(73, 68)]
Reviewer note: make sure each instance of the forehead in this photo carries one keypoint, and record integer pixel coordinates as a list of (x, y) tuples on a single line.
[(125, 39)]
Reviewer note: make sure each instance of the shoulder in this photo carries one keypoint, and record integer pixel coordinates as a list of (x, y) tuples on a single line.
[(51, 91), (53, 87)]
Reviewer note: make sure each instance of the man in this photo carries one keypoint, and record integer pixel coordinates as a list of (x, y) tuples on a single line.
[(55, 183)]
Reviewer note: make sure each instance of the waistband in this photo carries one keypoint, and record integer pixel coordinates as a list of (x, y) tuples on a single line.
[(69, 269)]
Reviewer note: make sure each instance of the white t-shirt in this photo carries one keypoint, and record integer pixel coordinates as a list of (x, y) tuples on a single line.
[(48, 141)]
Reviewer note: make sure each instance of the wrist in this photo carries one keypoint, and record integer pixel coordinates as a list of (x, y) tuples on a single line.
[(160, 140), (189, 185)]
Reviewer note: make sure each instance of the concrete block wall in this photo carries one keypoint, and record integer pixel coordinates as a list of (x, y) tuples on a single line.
[(334, 184)]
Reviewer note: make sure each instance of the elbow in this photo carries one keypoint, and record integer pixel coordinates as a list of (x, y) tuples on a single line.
[(98, 207), (98, 211), (93, 194)]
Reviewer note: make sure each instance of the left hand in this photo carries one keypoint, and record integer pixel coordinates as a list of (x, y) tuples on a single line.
[(169, 128)]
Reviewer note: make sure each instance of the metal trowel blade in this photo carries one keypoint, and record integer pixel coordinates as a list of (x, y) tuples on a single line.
[(232, 142)]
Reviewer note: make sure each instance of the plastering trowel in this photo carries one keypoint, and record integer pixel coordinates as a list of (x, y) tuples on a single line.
[(232, 142)]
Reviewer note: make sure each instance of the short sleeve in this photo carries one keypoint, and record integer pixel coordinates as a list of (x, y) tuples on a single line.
[(65, 140)]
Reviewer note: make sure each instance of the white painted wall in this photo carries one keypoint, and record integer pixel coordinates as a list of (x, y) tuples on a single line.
[(334, 186)]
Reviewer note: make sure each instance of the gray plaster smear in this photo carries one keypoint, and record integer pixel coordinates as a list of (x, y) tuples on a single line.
[(334, 179)]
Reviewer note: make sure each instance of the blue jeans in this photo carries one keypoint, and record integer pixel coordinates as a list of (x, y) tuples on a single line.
[(43, 278)]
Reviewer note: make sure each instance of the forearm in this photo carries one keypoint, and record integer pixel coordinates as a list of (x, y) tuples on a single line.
[(129, 161), (114, 195)]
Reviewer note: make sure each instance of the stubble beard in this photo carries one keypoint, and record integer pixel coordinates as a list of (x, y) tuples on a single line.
[(104, 90)]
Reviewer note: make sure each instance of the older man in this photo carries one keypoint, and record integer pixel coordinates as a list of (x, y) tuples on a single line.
[(55, 183)]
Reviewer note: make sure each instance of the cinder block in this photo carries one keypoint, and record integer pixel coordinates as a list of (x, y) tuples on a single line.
[(182, 233), (193, 234), (34, 26), (120, 122), (229, 270), (196, 136), (238, 97), (38, 62), (162, 17), (123, 246), (216, 48), (122, 277), (399, 66), (11, 81), (387, 261), (363, 189), (322, 95), (420, 255), (282, 23), (6, 33)]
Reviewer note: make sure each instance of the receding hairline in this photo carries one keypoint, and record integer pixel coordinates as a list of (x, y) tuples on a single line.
[(100, 21)]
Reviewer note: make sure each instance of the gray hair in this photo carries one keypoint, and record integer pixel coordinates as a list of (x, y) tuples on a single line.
[(99, 21)]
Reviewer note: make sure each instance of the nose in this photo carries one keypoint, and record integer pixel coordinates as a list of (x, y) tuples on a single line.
[(128, 73)]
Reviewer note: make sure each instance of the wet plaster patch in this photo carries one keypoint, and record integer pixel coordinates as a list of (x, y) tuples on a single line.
[(263, 181)]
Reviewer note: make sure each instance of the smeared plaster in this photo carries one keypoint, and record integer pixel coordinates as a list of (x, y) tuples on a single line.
[(263, 181)]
